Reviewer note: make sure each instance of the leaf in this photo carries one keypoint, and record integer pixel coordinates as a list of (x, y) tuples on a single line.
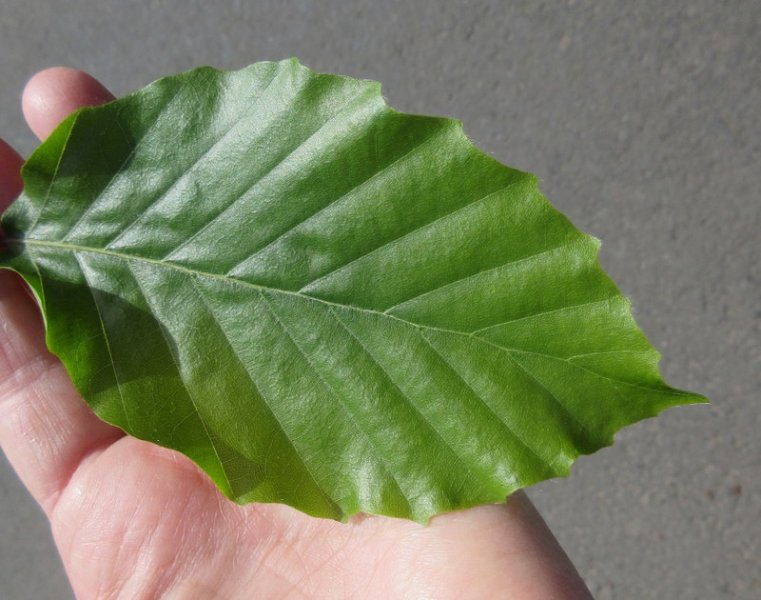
[(322, 301)]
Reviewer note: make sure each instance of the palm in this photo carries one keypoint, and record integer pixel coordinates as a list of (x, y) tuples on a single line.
[(144, 513), (136, 521)]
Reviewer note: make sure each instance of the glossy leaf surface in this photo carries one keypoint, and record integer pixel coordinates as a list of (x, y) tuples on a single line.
[(322, 301)]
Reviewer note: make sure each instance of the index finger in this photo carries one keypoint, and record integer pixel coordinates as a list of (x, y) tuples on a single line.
[(53, 94)]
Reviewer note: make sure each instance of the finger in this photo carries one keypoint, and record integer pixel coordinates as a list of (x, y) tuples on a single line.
[(10, 179), (46, 430), (53, 94)]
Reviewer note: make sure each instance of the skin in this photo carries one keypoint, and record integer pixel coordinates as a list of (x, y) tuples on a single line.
[(132, 520)]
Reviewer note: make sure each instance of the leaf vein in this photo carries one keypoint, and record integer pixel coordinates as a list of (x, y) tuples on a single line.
[(478, 332), (401, 238), (613, 380), (236, 122), (137, 144), (504, 423), (510, 263), (408, 400), (608, 352), (91, 289), (416, 148), (562, 407), (55, 173), (336, 395), (237, 356), (234, 201), (236, 281), (175, 360)]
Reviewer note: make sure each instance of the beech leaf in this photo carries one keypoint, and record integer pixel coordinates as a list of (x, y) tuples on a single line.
[(322, 301)]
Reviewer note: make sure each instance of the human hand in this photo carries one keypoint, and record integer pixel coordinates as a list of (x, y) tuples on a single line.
[(132, 520)]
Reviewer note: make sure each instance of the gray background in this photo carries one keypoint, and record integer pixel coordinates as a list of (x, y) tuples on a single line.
[(642, 120)]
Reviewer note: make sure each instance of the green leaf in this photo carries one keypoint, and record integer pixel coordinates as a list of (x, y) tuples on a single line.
[(322, 301)]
